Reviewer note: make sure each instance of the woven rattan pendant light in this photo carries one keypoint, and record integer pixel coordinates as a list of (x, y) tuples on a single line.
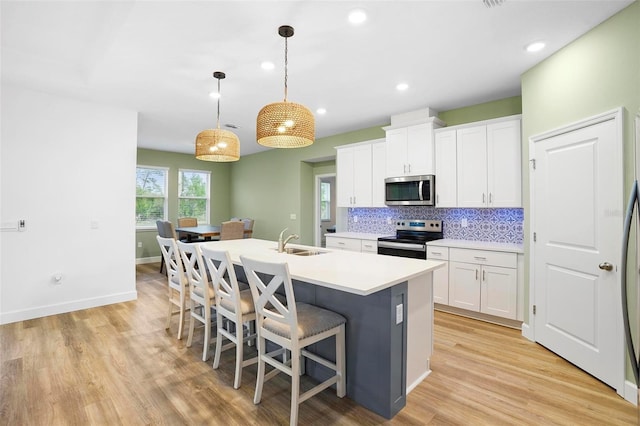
[(285, 124), (217, 144)]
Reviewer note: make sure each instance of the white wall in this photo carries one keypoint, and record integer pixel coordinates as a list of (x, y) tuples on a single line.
[(68, 170)]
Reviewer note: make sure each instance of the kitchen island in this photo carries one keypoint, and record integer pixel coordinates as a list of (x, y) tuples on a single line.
[(388, 304)]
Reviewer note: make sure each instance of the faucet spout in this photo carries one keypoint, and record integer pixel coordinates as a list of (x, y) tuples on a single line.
[(282, 243)]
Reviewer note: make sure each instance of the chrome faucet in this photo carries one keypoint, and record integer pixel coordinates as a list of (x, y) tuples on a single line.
[(282, 243)]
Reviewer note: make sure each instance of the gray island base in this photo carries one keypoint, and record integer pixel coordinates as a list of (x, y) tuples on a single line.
[(388, 304)]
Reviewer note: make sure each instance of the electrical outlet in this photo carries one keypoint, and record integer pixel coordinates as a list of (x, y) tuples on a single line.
[(139, 244), (355, 219), (22, 225), (464, 222), (388, 221)]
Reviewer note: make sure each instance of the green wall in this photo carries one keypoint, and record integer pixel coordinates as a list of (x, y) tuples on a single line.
[(484, 111), (220, 208), (272, 185), (598, 72)]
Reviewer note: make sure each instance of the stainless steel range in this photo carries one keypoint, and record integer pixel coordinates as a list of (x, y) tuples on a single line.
[(411, 238)]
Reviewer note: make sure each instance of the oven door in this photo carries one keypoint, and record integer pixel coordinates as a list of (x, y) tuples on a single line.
[(390, 248)]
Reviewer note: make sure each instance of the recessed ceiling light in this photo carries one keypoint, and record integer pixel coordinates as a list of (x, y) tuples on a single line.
[(402, 87), (267, 66), (321, 111), (214, 95), (357, 16), (536, 46)]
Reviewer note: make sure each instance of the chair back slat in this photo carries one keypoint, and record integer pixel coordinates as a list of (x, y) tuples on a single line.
[(195, 269), (232, 230), (187, 221), (268, 306), (173, 261), (223, 277)]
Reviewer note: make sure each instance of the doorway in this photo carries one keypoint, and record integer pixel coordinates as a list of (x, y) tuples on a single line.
[(576, 224), (325, 207)]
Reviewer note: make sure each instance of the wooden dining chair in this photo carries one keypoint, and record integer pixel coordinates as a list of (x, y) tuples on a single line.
[(232, 230), (233, 305), (177, 281), (201, 294), (293, 327), (184, 222)]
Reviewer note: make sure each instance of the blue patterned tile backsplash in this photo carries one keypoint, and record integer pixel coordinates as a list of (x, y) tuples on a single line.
[(496, 225)]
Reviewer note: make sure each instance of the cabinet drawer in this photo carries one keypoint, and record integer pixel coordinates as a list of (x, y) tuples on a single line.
[(439, 253), (369, 246), (484, 257), (343, 243)]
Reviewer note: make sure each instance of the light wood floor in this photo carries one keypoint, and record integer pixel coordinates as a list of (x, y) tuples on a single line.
[(117, 365)]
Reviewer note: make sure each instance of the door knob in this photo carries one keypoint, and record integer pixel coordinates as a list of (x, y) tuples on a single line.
[(605, 266)]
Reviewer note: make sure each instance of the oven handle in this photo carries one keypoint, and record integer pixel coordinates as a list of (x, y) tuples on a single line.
[(402, 246)]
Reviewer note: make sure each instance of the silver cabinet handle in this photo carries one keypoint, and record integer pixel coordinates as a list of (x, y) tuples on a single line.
[(479, 258), (476, 274), (483, 272), (606, 266), (490, 201), (410, 169), (438, 253), (483, 198), (340, 243)]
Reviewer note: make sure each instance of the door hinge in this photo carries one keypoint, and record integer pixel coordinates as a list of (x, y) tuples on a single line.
[(535, 237), (534, 309), (533, 163)]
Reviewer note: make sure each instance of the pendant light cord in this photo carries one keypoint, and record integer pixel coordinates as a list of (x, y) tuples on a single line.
[(218, 116), (286, 63)]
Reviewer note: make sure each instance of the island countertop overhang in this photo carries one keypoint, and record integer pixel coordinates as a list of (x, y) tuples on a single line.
[(357, 273)]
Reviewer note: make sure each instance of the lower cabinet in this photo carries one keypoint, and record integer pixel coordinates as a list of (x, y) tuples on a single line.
[(440, 275), (484, 281), (352, 244)]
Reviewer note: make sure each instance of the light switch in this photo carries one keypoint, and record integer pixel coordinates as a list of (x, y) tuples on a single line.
[(292, 216), (399, 313)]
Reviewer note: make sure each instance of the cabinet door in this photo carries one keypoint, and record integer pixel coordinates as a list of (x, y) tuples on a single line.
[(504, 164), (498, 294), (344, 178), (441, 285), (464, 286), (341, 243), (445, 168), (378, 165), (419, 150), (472, 166), (362, 176), (396, 152)]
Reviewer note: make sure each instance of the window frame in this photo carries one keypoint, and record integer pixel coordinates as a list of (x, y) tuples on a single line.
[(207, 198), (165, 204), (328, 202)]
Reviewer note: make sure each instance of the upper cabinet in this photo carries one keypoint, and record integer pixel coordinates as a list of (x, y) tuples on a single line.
[(410, 149), (359, 170), (486, 171), (446, 170)]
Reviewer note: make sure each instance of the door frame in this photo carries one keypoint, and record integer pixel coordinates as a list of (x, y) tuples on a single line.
[(617, 114), (317, 233)]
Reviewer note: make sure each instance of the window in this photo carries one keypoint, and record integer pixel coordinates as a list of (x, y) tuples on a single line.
[(193, 194), (151, 196), (325, 201)]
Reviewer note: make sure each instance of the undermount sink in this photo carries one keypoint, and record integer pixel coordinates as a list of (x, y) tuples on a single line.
[(301, 251)]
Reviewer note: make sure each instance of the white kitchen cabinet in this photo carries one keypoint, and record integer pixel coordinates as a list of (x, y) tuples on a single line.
[(352, 244), (484, 281), (410, 149), (489, 164), (440, 275), (378, 170), (446, 168), (354, 166)]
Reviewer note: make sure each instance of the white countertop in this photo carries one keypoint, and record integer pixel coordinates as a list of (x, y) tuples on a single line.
[(352, 272), (358, 235), (478, 245)]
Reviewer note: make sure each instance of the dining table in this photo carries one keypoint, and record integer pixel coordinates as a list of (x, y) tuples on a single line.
[(205, 232)]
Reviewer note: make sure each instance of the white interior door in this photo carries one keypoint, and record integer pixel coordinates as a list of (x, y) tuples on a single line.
[(577, 207)]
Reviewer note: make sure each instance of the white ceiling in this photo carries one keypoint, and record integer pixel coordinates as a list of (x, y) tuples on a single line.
[(157, 57)]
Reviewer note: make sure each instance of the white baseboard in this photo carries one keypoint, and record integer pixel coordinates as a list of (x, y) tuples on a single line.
[(413, 385), (143, 260), (75, 305), (631, 392), (527, 332)]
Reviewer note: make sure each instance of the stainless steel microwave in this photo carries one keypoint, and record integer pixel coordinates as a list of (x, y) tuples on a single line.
[(410, 191)]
